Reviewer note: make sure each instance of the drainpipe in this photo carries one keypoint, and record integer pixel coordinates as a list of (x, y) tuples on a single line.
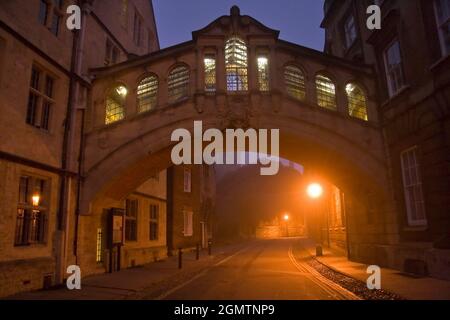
[(68, 138), (85, 11)]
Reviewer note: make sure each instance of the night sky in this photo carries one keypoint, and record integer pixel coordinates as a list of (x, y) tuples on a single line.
[(298, 20)]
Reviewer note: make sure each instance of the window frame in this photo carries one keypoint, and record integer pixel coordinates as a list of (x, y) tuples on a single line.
[(349, 102), (53, 12), (26, 233), (292, 86), (121, 107), (178, 87), (152, 94), (239, 75), (188, 222), (187, 180), (263, 74), (154, 222), (388, 71), (444, 50), (39, 115), (137, 28), (319, 101), (423, 222), (350, 34), (131, 220), (210, 77)]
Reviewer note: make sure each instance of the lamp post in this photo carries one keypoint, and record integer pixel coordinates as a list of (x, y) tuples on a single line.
[(286, 219), (315, 191)]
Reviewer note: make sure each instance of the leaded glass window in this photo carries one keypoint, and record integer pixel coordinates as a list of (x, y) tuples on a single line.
[(356, 102), (295, 82), (326, 93), (210, 73), (236, 64), (115, 104), (178, 83), (147, 93)]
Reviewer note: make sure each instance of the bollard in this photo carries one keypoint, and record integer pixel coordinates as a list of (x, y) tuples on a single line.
[(209, 247), (180, 258), (319, 252), (197, 252)]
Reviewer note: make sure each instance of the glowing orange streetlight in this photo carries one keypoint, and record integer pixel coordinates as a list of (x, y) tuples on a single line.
[(314, 190), (286, 217)]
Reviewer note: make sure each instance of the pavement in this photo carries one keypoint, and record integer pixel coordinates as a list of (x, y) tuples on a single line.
[(407, 286), (254, 270)]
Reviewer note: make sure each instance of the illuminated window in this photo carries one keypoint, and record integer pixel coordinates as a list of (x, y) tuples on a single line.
[(210, 73), (236, 64), (326, 92), (99, 251), (115, 104), (295, 82), (412, 184), (356, 102), (442, 8), (263, 73), (147, 93), (32, 210), (178, 83)]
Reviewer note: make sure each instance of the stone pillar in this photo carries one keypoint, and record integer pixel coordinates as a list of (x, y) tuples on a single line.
[(252, 69), (221, 76), (341, 99)]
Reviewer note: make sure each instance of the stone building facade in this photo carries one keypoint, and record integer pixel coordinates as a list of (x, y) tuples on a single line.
[(410, 54), (44, 85)]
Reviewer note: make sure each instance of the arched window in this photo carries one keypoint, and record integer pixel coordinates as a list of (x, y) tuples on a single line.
[(236, 64), (115, 104), (263, 73), (295, 82), (326, 92), (147, 93), (178, 83), (357, 106)]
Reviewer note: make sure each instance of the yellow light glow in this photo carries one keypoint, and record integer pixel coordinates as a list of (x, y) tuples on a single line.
[(121, 90), (314, 190), (286, 217), (35, 199)]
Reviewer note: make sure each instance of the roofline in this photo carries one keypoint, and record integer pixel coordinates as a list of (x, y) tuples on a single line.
[(327, 14), (366, 68), (154, 22), (103, 71), (199, 31)]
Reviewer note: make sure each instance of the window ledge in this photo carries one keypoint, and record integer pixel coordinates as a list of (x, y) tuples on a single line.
[(439, 62), (400, 92), (415, 228)]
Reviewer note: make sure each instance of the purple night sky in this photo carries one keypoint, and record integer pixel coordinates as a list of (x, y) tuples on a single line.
[(298, 20)]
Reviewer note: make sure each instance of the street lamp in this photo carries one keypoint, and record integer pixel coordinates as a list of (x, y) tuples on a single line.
[(315, 191), (286, 219)]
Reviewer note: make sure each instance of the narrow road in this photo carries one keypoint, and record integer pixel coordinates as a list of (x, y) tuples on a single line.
[(263, 270)]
